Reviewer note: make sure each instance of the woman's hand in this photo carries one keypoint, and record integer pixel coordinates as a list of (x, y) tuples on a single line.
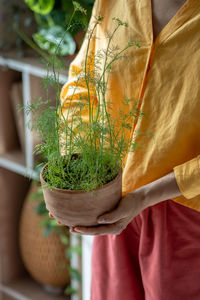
[(131, 205), (116, 221)]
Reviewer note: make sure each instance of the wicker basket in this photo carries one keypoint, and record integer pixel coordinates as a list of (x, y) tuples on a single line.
[(13, 189), (44, 257)]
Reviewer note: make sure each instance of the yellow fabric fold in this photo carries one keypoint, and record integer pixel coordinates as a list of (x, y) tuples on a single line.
[(188, 178), (75, 91), (164, 75)]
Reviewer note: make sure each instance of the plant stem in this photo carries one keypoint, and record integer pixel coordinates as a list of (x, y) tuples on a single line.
[(87, 79), (32, 44)]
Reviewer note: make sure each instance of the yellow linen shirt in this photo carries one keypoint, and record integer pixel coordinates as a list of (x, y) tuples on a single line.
[(165, 75)]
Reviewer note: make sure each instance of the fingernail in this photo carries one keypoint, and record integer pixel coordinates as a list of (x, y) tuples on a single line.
[(51, 216), (100, 220), (77, 230), (59, 222)]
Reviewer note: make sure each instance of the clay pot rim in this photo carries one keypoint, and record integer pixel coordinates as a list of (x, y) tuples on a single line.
[(43, 182)]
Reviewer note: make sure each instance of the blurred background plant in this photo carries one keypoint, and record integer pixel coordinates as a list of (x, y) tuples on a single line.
[(42, 24), (15, 13), (52, 19)]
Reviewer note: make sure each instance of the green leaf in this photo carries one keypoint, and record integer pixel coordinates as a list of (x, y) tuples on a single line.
[(55, 40), (75, 274), (42, 7), (70, 290), (77, 249), (47, 231), (68, 253), (44, 222), (74, 249), (41, 208), (78, 7), (53, 223), (37, 196), (64, 239)]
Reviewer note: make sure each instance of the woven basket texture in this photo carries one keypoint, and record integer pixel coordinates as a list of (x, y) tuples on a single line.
[(13, 189), (44, 257)]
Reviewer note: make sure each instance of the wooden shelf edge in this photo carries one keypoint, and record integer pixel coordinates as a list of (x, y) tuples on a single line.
[(27, 289), (15, 162), (30, 65)]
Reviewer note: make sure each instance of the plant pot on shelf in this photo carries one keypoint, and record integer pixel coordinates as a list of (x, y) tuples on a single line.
[(82, 208), (43, 257)]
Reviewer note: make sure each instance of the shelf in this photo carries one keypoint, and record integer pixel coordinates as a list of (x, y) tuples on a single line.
[(31, 65), (26, 289), (23, 164), (16, 156), (15, 161)]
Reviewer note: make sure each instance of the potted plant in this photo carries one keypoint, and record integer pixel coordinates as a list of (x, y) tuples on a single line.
[(85, 159), (51, 17)]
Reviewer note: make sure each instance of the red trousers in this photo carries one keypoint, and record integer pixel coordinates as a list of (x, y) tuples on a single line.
[(157, 257)]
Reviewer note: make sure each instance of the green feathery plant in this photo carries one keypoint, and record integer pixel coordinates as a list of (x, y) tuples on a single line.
[(81, 155), (84, 155)]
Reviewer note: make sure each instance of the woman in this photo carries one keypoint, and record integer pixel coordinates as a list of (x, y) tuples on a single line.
[(148, 247)]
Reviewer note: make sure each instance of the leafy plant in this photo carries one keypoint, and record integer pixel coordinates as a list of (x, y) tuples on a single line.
[(84, 155), (53, 18), (49, 38), (80, 155), (42, 7)]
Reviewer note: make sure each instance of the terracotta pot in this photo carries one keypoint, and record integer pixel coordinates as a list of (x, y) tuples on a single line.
[(81, 208), (43, 257)]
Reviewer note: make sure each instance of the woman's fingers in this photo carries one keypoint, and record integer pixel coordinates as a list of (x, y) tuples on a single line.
[(51, 216), (116, 228)]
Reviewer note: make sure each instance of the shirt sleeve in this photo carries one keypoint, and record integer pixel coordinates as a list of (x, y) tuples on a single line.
[(76, 90), (188, 177)]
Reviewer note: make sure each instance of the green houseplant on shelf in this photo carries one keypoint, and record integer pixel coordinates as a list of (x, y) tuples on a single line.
[(52, 18), (85, 159)]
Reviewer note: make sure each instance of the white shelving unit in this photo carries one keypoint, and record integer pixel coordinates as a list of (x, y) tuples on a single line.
[(15, 162)]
